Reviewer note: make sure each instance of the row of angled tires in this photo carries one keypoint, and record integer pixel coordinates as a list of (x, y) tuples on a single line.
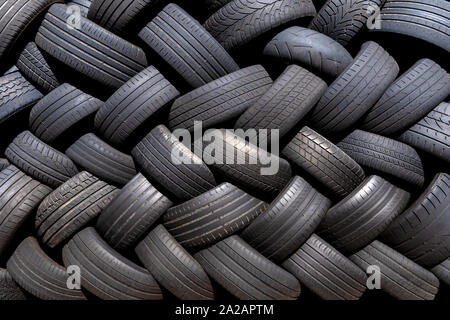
[(141, 226)]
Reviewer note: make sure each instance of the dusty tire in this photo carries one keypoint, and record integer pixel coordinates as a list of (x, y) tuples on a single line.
[(107, 274), (432, 133), (39, 160), (400, 277), (212, 216), (131, 213), (349, 97), (384, 155), (309, 48), (174, 267), (364, 214), (245, 273), (3, 164), (220, 100), (241, 21), (324, 161), (97, 53), (9, 290), (20, 195), (442, 271), (60, 110), (131, 105), (97, 157), (70, 207), (202, 59), (421, 232), (33, 65), (39, 275), (326, 272), (288, 222), (186, 180), (408, 99)]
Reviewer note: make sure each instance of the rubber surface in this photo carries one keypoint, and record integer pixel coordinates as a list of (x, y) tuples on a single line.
[(9, 290)]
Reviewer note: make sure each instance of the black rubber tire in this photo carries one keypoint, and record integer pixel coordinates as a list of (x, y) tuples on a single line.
[(221, 100), (442, 271), (384, 155), (131, 105), (212, 216), (84, 5), (349, 97), (400, 277), (3, 164), (241, 21), (93, 155), (60, 110), (9, 290), (324, 161), (11, 70), (432, 133), (173, 267), (15, 18), (214, 5), (326, 272), (32, 65), (131, 213), (408, 99), (288, 222), (20, 195), (201, 59), (421, 232), (247, 274), (363, 215), (309, 48), (96, 52), (39, 275), (39, 160), (342, 20), (119, 15), (70, 207), (105, 273), (290, 98), (423, 19), (16, 95), (183, 181)]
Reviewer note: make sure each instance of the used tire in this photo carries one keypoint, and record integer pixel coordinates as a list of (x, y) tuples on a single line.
[(324, 161), (186, 180), (214, 5), (9, 290), (96, 52), (356, 90), (241, 21), (15, 18), (11, 70), (421, 232), (20, 195), (60, 110), (326, 272), (107, 274), (39, 160), (16, 95), (247, 274), (289, 99), (220, 100), (384, 155), (94, 155), (400, 277), (201, 59), (70, 207), (442, 271), (432, 133), (33, 65), (39, 275), (174, 267), (131, 213), (132, 104), (364, 214), (212, 216), (3, 164), (314, 50), (288, 222), (408, 99)]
